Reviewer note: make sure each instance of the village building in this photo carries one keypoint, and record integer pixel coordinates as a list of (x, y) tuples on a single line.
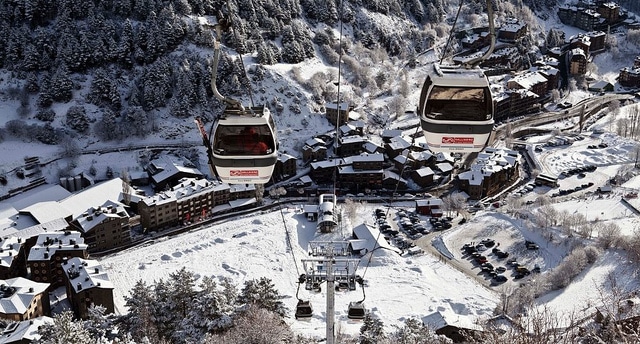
[(285, 168), (577, 61), (423, 177), (429, 207), (104, 227), (391, 180), (597, 39), (335, 112), (351, 145), (610, 11), (630, 77), (23, 299), (512, 30), (24, 332), (490, 173), (325, 170), (13, 260), (531, 81), (515, 102), (167, 171), (87, 284), (49, 251), (584, 18), (458, 328), (189, 200), (314, 149)]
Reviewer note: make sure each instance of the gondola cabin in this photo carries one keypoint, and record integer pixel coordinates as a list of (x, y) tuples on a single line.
[(303, 309), (356, 310), (456, 109), (245, 146)]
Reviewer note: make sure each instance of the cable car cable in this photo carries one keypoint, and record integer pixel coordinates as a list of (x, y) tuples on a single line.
[(446, 46)]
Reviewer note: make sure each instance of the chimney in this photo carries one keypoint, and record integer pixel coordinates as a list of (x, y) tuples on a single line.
[(79, 286)]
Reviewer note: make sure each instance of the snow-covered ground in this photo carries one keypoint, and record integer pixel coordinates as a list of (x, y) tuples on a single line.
[(396, 287)]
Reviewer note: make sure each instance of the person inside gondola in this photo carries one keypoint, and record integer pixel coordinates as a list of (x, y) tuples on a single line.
[(252, 143)]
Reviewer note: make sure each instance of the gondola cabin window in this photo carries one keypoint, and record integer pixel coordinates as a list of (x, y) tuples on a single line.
[(458, 104)]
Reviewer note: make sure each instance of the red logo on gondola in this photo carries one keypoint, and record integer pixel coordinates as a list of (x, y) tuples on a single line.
[(457, 140), (244, 173)]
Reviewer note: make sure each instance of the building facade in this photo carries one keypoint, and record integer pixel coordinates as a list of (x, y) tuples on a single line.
[(87, 284)]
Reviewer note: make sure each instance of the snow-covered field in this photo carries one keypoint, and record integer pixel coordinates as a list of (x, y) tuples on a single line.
[(396, 287)]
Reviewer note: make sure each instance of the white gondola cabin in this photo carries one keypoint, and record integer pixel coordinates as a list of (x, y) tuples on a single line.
[(245, 146), (456, 109)]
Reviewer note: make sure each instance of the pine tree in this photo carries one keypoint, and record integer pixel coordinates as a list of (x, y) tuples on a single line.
[(135, 121), (77, 118), (138, 321), (211, 311), (372, 330), (125, 48), (64, 330), (103, 91), (107, 127), (61, 85), (262, 293)]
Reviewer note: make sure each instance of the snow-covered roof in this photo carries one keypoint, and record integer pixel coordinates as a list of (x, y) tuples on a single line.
[(190, 187), (425, 171), (94, 216), (9, 249), (85, 274), (353, 139), (512, 26), (51, 226), (333, 105), (373, 239), (28, 330), (48, 243), (444, 167), (528, 80), (399, 143), (96, 194), (443, 318), (429, 202), (16, 294), (366, 157), (314, 141), (168, 167), (46, 211)]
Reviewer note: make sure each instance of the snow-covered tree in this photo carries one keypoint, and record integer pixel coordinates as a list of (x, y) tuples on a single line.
[(211, 312), (77, 118), (104, 90), (64, 330), (256, 325), (262, 293), (372, 330)]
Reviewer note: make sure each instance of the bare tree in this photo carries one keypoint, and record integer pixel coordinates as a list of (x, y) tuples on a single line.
[(126, 187), (257, 326)]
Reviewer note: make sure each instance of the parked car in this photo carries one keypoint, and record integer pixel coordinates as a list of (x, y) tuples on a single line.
[(531, 245), (500, 279)]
